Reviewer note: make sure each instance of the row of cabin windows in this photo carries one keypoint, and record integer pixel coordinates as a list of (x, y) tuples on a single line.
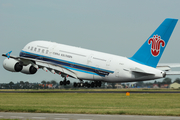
[(38, 50)]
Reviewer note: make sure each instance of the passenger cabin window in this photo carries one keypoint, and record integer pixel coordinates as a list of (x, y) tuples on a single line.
[(47, 51), (31, 48)]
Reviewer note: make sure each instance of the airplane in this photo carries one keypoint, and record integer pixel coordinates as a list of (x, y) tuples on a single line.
[(84, 64)]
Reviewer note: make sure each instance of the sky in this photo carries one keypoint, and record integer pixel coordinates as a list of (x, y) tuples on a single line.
[(117, 27)]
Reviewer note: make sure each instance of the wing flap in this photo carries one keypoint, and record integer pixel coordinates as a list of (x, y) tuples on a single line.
[(57, 68)]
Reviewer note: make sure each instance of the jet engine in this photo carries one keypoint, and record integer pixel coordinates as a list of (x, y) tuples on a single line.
[(12, 65), (29, 69)]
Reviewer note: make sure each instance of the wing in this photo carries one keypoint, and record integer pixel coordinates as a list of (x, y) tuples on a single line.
[(44, 65), (10, 56)]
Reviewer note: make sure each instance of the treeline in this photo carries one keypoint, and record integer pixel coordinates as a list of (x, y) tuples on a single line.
[(54, 84), (27, 85)]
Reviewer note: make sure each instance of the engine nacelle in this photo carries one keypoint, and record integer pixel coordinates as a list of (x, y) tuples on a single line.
[(29, 69), (12, 65)]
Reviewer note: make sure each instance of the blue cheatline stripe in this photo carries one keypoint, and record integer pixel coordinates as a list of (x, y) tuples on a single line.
[(83, 71), (70, 65)]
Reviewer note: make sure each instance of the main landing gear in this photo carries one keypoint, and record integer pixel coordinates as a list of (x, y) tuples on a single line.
[(64, 82), (88, 84)]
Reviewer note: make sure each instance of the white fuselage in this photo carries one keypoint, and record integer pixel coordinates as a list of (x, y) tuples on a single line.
[(82, 62)]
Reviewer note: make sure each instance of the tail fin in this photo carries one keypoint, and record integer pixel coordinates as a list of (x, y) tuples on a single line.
[(151, 51)]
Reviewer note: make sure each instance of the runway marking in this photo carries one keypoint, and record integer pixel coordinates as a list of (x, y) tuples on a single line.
[(84, 119), (38, 117), (61, 118), (151, 116), (17, 117)]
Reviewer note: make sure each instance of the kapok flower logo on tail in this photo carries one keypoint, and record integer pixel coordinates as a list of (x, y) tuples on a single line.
[(156, 42)]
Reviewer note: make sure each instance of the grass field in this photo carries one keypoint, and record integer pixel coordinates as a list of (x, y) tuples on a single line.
[(80, 89), (92, 103)]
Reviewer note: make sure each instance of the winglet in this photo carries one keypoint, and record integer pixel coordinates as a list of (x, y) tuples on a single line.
[(8, 54)]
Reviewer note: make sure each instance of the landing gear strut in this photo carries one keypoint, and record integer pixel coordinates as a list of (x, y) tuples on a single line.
[(64, 82)]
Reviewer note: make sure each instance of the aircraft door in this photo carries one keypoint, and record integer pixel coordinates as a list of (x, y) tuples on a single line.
[(90, 64), (117, 73), (89, 60), (108, 62)]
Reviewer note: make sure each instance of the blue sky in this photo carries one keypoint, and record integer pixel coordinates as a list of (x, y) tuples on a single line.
[(118, 27)]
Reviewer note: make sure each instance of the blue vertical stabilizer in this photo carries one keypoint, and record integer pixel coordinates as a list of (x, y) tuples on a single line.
[(151, 51)]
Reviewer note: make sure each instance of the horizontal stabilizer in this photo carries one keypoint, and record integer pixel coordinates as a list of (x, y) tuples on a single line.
[(172, 65), (167, 66), (138, 73), (164, 68), (173, 73)]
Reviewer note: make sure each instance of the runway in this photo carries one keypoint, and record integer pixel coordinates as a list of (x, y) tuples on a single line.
[(55, 116), (73, 91)]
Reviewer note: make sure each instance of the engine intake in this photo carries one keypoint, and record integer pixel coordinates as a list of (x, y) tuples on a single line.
[(29, 69), (12, 65)]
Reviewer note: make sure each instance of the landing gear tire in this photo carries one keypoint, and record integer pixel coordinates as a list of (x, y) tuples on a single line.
[(64, 82), (78, 85), (61, 83), (88, 85), (92, 84), (99, 83), (75, 84), (68, 82), (81, 84)]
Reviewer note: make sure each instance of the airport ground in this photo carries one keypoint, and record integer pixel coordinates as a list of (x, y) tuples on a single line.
[(144, 103), (58, 116)]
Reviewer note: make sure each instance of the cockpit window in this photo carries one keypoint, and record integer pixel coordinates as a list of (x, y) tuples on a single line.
[(42, 50), (31, 48), (35, 49)]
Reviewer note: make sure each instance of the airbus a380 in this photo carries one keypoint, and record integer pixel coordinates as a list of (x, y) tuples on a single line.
[(84, 64)]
